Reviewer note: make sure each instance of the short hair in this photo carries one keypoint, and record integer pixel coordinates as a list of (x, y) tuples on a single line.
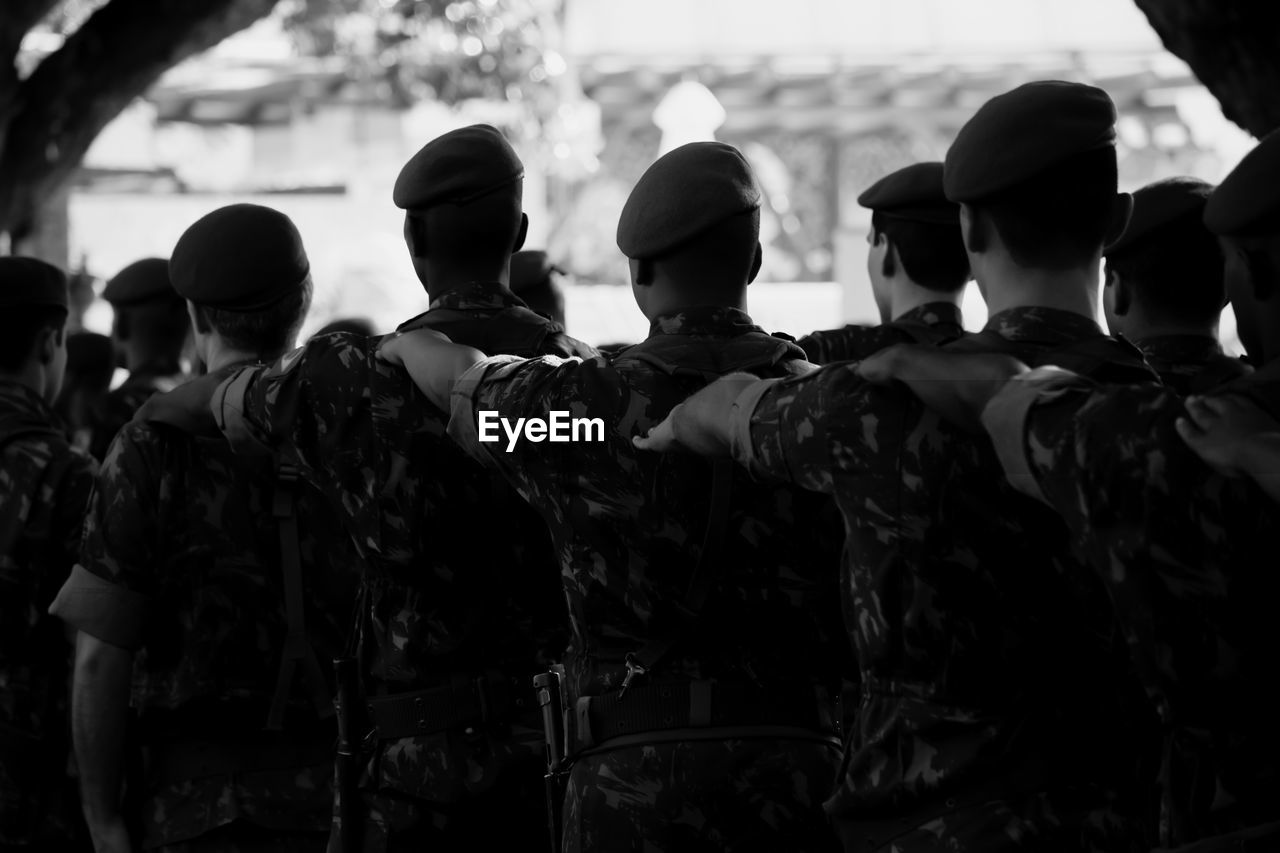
[(481, 230), (352, 325), (1175, 271), (932, 254), (721, 255), (270, 330), (1058, 219), (21, 326)]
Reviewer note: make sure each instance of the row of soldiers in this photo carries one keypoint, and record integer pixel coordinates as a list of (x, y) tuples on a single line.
[(972, 592)]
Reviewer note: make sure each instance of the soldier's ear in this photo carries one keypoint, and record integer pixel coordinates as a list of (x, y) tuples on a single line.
[(1122, 293), (756, 263), (48, 344), (522, 233), (122, 326), (415, 235), (641, 272), (1121, 210), (973, 227)]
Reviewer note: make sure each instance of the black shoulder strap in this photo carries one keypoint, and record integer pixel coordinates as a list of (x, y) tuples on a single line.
[(297, 648)]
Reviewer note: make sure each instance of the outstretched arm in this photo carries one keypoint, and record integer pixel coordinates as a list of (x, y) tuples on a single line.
[(432, 361), (702, 424), (958, 386), (1234, 437)]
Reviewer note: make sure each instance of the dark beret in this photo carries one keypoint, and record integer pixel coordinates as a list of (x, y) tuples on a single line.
[(1159, 204), (914, 194), (1247, 202), (141, 281), (1016, 136), (530, 268), (685, 192), (458, 167), (243, 257), (28, 282)]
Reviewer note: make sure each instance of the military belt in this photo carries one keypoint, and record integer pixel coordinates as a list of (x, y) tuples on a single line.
[(479, 700), (698, 705)]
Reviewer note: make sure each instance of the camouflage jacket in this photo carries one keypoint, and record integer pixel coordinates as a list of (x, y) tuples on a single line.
[(975, 626), (181, 562), (934, 322), (1188, 559), (460, 574), (1191, 364), (120, 404), (44, 489), (628, 525)]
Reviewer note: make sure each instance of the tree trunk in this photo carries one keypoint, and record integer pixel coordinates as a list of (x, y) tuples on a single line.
[(1233, 47), (48, 120)]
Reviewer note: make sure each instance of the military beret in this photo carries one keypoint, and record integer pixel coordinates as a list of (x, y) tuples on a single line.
[(141, 281), (914, 194), (242, 257), (1247, 202), (529, 268), (685, 192), (1160, 204), (28, 282), (1015, 136), (458, 167)]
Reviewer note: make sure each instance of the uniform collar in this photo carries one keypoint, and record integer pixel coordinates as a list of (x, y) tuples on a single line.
[(933, 314), (1186, 348), (489, 295), (1042, 325), (710, 320)]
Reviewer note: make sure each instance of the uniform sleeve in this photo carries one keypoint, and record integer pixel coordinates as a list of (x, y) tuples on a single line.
[(791, 429), (1106, 458), (489, 401), (305, 402), (107, 592)]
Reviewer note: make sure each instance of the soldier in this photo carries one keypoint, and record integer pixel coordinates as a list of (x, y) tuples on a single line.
[(1186, 552), (44, 489), (917, 265), (705, 636), (974, 622), (90, 367), (150, 330), (534, 279), (1164, 288), (350, 325), (191, 588), (459, 602)]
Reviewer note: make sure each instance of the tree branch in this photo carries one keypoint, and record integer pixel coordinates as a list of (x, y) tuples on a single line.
[(1232, 47), (113, 58)]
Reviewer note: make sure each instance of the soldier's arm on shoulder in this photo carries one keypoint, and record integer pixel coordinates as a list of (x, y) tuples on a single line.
[(106, 593), (703, 422), (780, 430), (433, 362)]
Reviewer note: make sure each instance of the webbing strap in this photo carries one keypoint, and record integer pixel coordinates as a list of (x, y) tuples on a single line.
[(297, 649)]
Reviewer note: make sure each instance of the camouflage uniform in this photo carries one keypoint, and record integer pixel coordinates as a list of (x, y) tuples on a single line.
[(121, 403), (182, 563), (933, 322), (627, 527), (460, 576), (1191, 364), (44, 489), (996, 712), (1188, 559)]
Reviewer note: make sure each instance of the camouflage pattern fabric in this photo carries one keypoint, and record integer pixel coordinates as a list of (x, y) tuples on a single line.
[(1191, 364), (121, 403), (44, 490), (988, 669), (185, 527), (460, 573), (933, 322), (1188, 559), (628, 527)]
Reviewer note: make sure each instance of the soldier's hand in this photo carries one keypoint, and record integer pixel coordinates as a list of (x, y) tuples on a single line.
[(956, 385), (701, 423), (391, 348), (1232, 435)]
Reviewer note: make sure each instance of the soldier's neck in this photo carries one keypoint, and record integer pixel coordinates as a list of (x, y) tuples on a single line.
[(220, 355), (1073, 290), (1140, 326), (29, 376), (908, 296), (442, 278)]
